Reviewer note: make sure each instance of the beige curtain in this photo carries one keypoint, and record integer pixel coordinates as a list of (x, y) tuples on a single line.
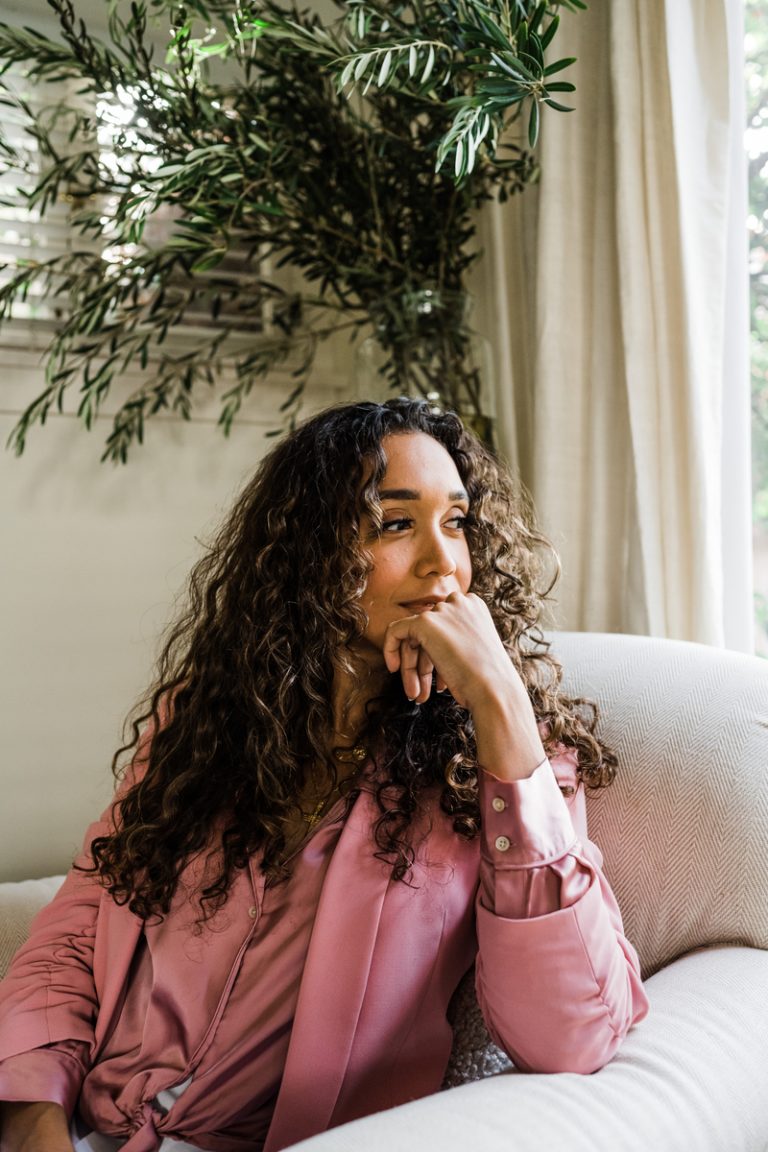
[(604, 294)]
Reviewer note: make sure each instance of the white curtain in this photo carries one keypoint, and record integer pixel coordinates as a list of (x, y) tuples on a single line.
[(621, 397)]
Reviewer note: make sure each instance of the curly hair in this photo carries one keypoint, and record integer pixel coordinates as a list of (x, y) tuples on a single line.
[(239, 710)]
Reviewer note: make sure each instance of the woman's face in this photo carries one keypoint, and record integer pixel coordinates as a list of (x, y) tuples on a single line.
[(421, 554)]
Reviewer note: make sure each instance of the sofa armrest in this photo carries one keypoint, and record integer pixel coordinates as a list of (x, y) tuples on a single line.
[(694, 1074)]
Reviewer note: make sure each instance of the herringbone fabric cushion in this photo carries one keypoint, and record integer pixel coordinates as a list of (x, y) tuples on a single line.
[(684, 828), (19, 902)]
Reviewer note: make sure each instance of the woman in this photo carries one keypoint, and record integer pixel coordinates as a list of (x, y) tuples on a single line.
[(357, 778)]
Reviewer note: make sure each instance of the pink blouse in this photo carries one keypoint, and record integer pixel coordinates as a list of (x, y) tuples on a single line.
[(252, 1033), (526, 868)]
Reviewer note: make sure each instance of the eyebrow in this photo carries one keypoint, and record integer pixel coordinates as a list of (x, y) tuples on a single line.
[(414, 494)]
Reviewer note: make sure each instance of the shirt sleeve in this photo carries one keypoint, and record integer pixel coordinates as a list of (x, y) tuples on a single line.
[(557, 980), (52, 994), (51, 1074), (529, 861)]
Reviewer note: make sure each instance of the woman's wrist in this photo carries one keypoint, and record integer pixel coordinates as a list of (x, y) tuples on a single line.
[(34, 1127), (507, 737)]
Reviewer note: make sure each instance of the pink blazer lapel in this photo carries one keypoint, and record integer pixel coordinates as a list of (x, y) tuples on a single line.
[(333, 984)]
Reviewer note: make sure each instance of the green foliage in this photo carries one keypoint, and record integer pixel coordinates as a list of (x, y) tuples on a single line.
[(355, 151)]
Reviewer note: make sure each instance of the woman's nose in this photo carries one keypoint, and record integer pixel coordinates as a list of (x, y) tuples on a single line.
[(435, 557)]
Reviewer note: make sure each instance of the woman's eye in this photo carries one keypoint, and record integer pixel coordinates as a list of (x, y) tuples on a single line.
[(459, 522), (399, 525)]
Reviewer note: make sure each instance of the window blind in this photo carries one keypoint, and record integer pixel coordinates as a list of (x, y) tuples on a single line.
[(29, 235)]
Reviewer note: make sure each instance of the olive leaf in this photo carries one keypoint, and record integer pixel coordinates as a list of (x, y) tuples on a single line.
[(264, 181)]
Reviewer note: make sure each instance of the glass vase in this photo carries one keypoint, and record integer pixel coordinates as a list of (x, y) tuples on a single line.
[(424, 346)]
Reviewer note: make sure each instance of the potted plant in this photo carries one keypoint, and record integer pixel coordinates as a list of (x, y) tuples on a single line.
[(353, 151)]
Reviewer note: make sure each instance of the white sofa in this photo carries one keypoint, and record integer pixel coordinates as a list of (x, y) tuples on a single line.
[(684, 832)]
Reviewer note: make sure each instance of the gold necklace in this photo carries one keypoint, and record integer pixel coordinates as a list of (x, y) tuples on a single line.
[(311, 818), (356, 755)]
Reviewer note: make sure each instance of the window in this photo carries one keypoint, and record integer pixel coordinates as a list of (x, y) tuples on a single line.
[(34, 234)]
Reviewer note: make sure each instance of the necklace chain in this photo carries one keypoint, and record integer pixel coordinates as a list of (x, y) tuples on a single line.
[(355, 756)]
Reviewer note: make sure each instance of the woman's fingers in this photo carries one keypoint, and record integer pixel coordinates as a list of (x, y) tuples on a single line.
[(456, 641), (391, 651), (425, 669), (403, 652), (409, 668), (402, 643)]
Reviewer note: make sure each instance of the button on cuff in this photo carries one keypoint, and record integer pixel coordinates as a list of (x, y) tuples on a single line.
[(533, 819)]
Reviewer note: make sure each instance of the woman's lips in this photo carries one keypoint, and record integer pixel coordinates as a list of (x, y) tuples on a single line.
[(415, 606)]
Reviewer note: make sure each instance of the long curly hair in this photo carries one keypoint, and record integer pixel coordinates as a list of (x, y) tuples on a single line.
[(240, 710)]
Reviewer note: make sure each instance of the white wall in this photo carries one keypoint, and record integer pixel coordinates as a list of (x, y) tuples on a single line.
[(91, 557)]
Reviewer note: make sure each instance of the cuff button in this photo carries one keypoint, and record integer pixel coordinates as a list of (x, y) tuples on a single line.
[(503, 843), (498, 804)]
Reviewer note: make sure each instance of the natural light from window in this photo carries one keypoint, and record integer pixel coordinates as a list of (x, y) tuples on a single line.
[(756, 12)]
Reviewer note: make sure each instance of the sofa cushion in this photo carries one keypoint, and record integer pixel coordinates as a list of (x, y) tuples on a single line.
[(19, 903), (684, 827), (692, 1076)]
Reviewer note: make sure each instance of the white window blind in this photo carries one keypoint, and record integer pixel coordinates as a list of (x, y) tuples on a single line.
[(26, 234)]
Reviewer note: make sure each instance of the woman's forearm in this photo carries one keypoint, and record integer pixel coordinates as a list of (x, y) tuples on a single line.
[(41, 1127)]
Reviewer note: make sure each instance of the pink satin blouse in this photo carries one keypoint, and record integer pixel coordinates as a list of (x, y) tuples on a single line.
[(527, 868)]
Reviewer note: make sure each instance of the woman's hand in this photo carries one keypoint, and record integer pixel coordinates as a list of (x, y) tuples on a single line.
[(458, 641), (40, 1127)]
